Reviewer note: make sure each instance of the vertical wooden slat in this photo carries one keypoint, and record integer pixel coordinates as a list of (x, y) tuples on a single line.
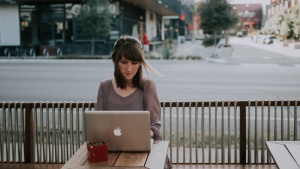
[(288, 121), (249, 133), (202, 133), (190, 130), (255, 136), (209, 132), (71, 130), (29, 151), (60, 132), (177, 129), (14, 132), (77, 126), (42, 131), (164, 120), (42, 141), (216, 132), (243, 148), (90, 106), (171, 141), (196, 132), (54, 131), (83, 124), (9, 133), (229, 136), (183, 130), (65, 143), (222, 136), (269, 130), (235, 133), (1, 132), (262, 133), (36, 131), (17, 133), (22, 123), (275, 121), (48, 152), (282, 121), (295, 121)]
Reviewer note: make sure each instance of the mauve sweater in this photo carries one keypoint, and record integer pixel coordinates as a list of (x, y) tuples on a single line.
[(146, 99)]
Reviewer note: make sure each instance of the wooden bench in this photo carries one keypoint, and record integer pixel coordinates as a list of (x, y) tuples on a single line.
[(175, 166), (29, 166), (286, 154), (154, 160)]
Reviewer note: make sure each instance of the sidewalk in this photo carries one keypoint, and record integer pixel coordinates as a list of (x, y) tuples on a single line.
[(190, 49), (276, 48), (195, 49)]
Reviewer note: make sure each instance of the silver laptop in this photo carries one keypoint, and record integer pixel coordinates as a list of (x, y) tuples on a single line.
[(121, 130)]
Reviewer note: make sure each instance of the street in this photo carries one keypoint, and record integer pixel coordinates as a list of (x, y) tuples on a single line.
[(250, 74)]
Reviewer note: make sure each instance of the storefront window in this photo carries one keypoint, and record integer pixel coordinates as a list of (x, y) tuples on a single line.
[(47, 24)]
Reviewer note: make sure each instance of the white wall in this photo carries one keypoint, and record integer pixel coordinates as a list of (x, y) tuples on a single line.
[(9, 25), (151, 25)]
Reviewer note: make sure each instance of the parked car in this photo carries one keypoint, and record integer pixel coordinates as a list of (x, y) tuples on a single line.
[(239, 34), (259, 38), (269, 39)]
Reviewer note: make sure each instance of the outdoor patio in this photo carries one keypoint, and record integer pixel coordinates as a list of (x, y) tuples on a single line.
[(213, 135)]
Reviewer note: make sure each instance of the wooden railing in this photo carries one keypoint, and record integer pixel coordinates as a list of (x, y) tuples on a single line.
[(199, 132)]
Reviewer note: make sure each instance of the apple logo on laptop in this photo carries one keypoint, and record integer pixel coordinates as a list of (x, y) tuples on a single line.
[(117, 132)]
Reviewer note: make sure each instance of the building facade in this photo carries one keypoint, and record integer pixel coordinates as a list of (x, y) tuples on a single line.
[(250, 17), (51, 27), (277, 6)]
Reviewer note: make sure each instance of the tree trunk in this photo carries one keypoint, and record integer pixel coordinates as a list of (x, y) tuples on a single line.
[(215, 38), (93, 46)]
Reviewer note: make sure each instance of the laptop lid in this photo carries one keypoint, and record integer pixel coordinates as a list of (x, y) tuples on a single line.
[(121, 130)]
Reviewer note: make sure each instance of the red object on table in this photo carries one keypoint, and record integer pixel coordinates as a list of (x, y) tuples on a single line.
[(97, 152)]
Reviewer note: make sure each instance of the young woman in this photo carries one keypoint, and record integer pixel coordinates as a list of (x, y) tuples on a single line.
[(129, 90)]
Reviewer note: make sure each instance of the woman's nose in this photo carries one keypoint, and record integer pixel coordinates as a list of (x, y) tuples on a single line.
[(129, 67)]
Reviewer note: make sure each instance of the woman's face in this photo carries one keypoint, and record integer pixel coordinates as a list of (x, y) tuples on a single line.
[(128, 68)]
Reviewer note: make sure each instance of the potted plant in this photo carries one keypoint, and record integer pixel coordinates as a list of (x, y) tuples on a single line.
[(97, 151)]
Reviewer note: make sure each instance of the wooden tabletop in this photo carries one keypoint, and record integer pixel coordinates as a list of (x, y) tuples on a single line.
[(286, 154), (138, 160)]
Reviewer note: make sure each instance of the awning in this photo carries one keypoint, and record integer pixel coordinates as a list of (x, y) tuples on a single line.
[(152, 5)]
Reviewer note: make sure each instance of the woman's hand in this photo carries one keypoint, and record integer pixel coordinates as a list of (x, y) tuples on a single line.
[(151, 134)]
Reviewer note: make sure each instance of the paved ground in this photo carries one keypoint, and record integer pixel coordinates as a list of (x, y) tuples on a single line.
[(190, 48)]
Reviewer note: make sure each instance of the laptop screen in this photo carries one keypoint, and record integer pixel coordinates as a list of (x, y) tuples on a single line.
[(121, 130)]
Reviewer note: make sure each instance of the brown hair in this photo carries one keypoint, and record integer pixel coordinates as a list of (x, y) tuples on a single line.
[(130, 48)]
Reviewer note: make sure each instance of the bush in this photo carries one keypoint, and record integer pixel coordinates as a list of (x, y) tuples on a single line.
[(209, 41), (83, 57), (166, 52)]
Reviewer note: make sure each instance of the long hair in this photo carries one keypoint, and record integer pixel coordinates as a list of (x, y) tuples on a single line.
[(130, 48)]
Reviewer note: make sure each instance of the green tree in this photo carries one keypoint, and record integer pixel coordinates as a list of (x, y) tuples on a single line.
[(296, 22), (285, 24), (96, 19), (270, 27), (216, 16)]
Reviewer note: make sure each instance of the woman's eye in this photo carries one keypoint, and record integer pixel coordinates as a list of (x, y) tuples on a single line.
[(123, 61), (134, 63)]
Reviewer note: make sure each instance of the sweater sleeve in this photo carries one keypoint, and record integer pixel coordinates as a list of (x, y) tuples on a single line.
[(100, 98), (152, 104)]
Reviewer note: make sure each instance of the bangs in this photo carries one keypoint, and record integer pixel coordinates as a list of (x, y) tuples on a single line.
[(131, 52)]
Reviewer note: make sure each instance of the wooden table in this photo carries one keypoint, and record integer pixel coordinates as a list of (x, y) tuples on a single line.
[(286, 154), (138, 160)]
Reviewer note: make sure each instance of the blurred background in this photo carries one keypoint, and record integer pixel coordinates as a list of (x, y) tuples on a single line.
[(90, 27)]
